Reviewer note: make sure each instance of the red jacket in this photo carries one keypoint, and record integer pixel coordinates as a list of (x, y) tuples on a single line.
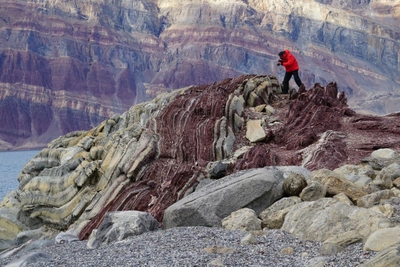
[(289, 62)]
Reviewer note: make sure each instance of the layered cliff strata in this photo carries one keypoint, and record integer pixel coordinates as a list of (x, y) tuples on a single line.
[(62, 70), (92, 59)]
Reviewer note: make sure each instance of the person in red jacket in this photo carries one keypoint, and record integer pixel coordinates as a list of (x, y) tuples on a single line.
[(292, 69)]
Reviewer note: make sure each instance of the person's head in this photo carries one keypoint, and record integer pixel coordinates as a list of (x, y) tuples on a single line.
[(281, 54)]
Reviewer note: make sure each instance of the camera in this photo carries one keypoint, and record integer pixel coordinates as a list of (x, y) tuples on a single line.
[(279, 62)]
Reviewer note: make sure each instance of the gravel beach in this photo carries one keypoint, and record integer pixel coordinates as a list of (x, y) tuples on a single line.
[(198, 246)]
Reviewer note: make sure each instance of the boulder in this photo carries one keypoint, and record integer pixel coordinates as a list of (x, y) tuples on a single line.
[(385, 153), (294, 184), (270, 110), (218, 170), (387, 175), (335, 184), (386, 210), (337, 243), (255, 133), (273, 216), (381, 158), (389, 257), (383, 239), (65, 238), (249, 239), (322, 219), (120, 225), (360, 175), (313, 191), (372, 199), (343, 198), (243, 219), (256, 189)]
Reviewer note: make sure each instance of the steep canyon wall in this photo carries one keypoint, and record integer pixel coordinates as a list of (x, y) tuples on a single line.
[(67, 65)]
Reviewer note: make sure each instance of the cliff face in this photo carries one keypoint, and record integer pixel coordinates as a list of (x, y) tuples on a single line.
[(68, 65), (65, 67)]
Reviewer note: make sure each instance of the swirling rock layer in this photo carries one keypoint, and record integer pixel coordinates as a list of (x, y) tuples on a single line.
[(158, 151)]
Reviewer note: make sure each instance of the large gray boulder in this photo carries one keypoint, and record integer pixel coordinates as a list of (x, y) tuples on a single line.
[(256, 189), (119, 225)]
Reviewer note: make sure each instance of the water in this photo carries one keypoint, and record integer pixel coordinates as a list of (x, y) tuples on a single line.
[(11, 164)]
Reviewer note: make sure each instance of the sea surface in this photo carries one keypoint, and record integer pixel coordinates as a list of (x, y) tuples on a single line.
[(11, 164)]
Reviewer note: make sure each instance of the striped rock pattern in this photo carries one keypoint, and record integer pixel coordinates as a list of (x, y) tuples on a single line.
[(157, 152)]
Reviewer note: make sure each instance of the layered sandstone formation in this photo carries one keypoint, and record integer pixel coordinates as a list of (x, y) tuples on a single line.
[(159, 151), (67, 66)]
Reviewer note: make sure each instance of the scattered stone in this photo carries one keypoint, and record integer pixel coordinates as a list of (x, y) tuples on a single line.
[(243, 219), (389, 257), (270, 110), (343, 198), (273, 216), (294, 184), (218, 171), (65, 237), (255, 132), (370, 200), (218, 250), (287, 251), (396, 182), (313, 191), (335, 184), (216, 262), (338, 243), (386, 210), (249, 239)]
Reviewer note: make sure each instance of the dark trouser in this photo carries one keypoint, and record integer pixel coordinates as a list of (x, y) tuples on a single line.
[(288, 76)]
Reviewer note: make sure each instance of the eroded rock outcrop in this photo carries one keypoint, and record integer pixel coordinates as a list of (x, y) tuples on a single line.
[(157, 152)]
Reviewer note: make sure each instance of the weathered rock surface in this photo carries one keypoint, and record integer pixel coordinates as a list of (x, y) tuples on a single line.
[(244, 219), (152, 157), (117, 226), (67, 65), (253, 189), (386, 258), (382, 239), (322, 219)]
